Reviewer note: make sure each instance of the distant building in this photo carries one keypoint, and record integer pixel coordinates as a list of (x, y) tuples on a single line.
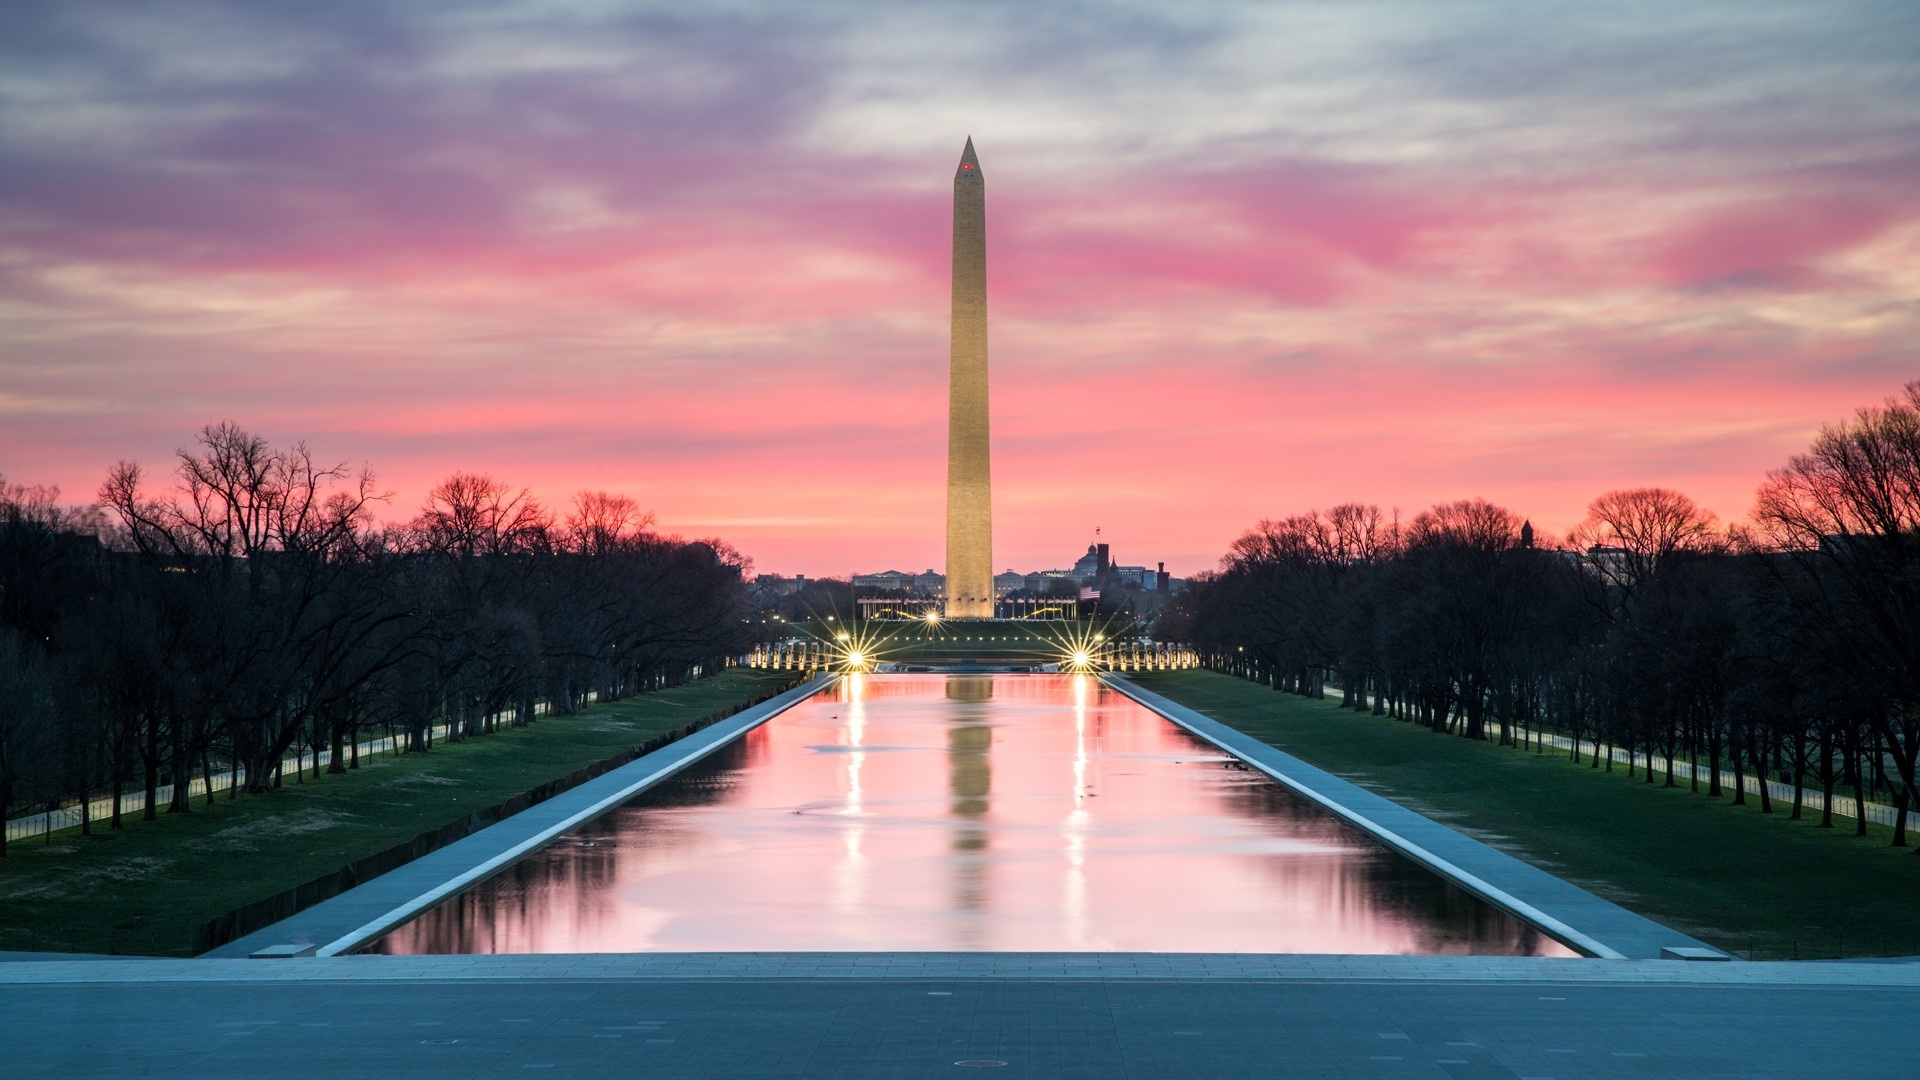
[(928, 583), (1093, 565), (1089, 574), (890, 580), (1614, 564), (776, 585), (1049, 582)]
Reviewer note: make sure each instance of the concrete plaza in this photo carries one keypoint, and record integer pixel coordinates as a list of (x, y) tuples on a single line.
[(917, 1015)]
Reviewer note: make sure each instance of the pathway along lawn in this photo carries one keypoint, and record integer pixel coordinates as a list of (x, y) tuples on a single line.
[(145, 888), (1729, 875)]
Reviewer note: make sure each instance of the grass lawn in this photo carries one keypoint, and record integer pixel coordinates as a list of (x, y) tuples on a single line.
[(145, 888), (1744, 881)]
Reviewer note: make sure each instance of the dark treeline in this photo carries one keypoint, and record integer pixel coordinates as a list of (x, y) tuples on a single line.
[(1785, 647), (249, 608)]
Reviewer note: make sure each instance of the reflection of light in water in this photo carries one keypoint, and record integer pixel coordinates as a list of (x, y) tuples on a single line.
[(1077, 820), (855, 737), (1076, 884), (1079, 743), (850, 876)]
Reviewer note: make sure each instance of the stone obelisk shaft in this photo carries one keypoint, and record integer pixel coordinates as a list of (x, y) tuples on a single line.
[(969, 487)]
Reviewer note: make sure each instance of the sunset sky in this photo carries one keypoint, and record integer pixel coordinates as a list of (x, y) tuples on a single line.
[(1245, 259)]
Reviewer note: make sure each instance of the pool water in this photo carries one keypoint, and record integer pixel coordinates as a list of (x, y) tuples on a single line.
[(963, 813)]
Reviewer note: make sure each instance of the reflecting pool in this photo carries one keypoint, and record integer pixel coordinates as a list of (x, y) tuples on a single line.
[(960, 813)]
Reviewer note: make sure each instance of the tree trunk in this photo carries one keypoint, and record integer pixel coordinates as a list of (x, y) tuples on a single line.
[(150, 812), (1739, 772), (1799, 774), (1713, 762), (1900, 817), (1826, 780), (1766, 781), (1906, 759), (1859, 799), (179, 802)]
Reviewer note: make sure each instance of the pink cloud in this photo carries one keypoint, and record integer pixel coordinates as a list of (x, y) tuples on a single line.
[(1774, 244)]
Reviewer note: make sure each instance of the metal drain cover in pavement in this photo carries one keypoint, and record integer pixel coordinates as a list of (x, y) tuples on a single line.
[(980, 1063)]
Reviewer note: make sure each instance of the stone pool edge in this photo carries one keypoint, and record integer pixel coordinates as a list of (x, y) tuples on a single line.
[(361, 914), (1576, 918)]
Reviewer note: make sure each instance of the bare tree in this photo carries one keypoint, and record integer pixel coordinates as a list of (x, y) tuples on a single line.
[(1629, 535), (1847, 512), (472, 514), (601, 522), (263, 538)]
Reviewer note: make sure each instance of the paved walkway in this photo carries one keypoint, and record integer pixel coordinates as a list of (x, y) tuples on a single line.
[(852, 1016), (1569, 913), (367, 911), (1900, 975)]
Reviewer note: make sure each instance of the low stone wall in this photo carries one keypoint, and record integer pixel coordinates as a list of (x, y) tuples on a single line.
[(260, 914)]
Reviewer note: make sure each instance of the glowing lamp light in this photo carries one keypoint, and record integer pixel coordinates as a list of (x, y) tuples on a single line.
[(855, 659), (1082, 659)]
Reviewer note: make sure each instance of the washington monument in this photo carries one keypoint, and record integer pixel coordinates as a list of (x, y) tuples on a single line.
[(969, 475)]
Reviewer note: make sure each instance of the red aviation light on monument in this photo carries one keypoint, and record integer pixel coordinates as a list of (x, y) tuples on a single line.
[(969, 165)]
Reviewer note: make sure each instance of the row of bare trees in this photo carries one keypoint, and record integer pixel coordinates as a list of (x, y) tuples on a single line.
[(1787, 646), (250, 607)]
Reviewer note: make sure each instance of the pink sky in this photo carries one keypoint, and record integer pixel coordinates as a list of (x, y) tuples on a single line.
[(1245, 259)]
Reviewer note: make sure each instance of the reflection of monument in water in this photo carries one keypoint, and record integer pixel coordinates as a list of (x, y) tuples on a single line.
[(969, 792), (974, 688), (969, 775), (969, 584)]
